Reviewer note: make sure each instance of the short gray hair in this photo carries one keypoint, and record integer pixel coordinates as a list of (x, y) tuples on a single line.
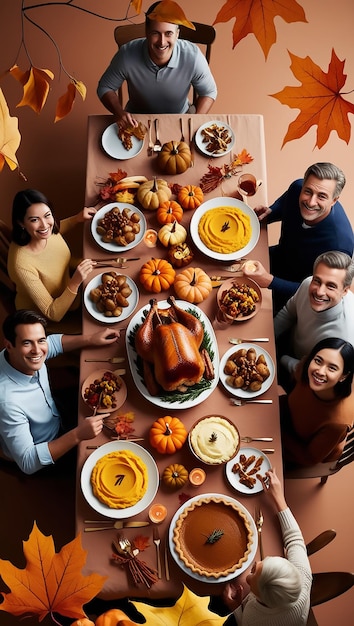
[(338, 261), (279, 583), (327, 171)]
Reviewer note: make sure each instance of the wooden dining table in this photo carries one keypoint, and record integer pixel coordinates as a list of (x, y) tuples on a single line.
[(254, 420)]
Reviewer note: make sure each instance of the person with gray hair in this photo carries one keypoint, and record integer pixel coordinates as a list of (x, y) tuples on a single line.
[(279, 587), (322, 307), (312, 222)]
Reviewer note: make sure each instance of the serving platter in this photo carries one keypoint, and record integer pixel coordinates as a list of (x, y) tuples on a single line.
[(234, 478), (113, 146), (195, 575), (214, 203), (201, 145), (243, 393), (90, 306), (113, 247), (149, 495), (120, 395), (174, 399)]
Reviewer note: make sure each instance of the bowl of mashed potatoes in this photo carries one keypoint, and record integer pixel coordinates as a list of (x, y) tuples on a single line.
[(214, 439)]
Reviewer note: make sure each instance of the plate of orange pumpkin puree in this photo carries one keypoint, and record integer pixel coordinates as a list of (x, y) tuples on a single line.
[(224, 228)]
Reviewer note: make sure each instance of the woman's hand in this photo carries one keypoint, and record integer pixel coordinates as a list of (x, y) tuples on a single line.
[(232, 595), (81, 273), (273, 488)]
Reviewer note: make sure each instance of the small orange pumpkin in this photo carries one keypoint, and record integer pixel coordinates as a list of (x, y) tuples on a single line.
[(190, 197), (157, 275), (174, 157), (170, 211), (193, 285), (114, 617), (175, 476), (167, 434)]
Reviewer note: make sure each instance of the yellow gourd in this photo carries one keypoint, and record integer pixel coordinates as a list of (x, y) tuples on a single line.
[(153, 193), (175, 476), (193, 285), (172, 234)]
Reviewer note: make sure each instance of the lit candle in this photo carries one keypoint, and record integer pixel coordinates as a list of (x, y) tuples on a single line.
[(157, 513), (150, 238), (197, 476)]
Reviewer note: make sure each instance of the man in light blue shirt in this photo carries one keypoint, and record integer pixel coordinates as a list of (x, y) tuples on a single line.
[(30, 429), (159, 71)]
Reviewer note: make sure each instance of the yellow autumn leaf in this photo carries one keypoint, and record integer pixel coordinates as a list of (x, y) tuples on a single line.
[(169, 11), (51, 582), (17, 73), (9, 136), (35, 90), (189, 610), (80, 87)]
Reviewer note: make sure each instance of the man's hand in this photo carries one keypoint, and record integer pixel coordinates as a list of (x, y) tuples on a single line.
[(125, 120), (104, 337), (90, 427), (259, 274), (262, 212)]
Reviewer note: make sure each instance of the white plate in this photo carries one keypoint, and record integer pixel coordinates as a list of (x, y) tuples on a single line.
[(241, 393), (213, 203), (234, 478), (186, 569), (235, 282), (198, 138), (113, 146), (153, 480), (113, 247), (133, 299), (120, 395), (172, 399)]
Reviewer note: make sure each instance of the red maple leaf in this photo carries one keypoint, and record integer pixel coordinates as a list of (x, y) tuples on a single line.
[(257, 17), (319, 100)]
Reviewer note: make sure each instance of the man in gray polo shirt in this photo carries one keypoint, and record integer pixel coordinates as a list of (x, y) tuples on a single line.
[(159, 71)]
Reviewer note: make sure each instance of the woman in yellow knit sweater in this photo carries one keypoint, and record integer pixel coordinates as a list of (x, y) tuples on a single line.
[(39, 258)]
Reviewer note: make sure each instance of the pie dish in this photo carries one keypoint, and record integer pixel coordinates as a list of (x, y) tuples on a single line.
[(194, 536)]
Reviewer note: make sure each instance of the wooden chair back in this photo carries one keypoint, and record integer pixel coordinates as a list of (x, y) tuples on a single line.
[(5, 238), (323, 470), (203, 35)]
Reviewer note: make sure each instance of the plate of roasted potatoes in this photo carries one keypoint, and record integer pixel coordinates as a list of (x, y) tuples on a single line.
[(111, 297), (246, 371)]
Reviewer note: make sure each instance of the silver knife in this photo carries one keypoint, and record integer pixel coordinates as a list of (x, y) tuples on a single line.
[(257, 339)]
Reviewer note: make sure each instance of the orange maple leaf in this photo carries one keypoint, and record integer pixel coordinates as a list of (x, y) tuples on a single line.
[(50, 582), (141, 542), (257, 17), (35, 88), (9, 136), (319, 100), (242, 158)]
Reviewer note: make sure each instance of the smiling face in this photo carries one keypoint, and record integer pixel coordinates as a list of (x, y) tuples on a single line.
[(161, 38), (38, 222), (316, 199), (326, 288), (325, 371), (30, 349)]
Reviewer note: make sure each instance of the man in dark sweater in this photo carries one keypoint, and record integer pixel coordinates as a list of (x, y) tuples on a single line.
[(312, 222)]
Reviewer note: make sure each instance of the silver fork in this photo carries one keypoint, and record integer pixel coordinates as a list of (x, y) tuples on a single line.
[(158, 144), (157, 542), (259, 523), (249, 439), (241, 402), (151, 143)]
